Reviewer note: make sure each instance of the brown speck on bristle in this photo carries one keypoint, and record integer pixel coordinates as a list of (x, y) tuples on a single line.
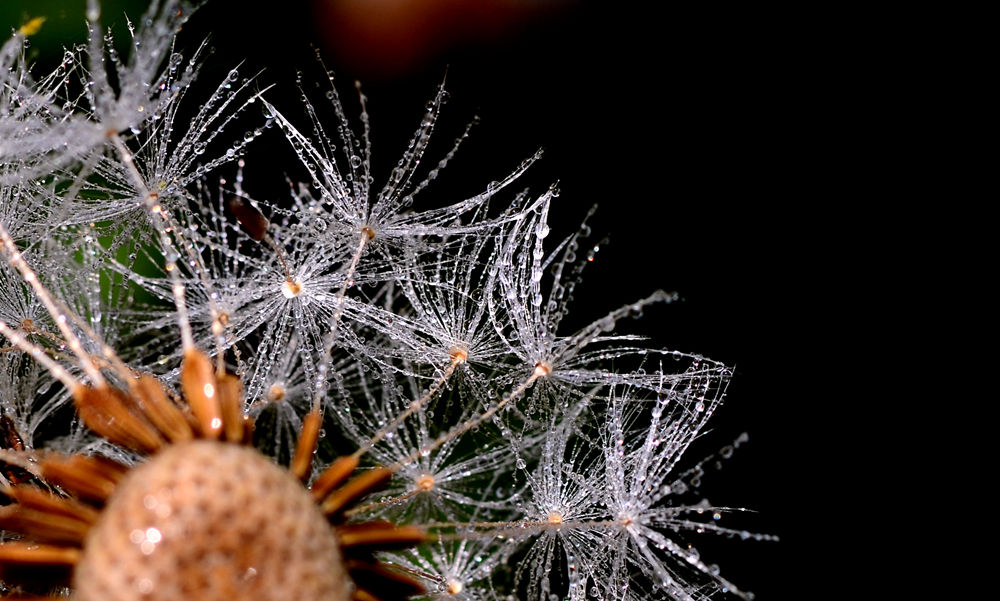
[(249, 426), (290, 288), (368, 231)]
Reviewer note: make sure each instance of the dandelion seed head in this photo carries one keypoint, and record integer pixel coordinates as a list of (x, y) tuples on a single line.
[(211, 521), (291, 289), (276, 392), (425, 483), (458, 354)]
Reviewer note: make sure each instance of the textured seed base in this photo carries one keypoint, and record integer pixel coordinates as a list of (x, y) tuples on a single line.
[(210, 521)]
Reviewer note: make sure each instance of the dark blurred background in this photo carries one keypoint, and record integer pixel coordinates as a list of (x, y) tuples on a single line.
[(698, 132)]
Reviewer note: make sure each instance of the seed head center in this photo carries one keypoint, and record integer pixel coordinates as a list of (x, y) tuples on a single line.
[(276, 393), (291, 288), (542, 369), (458, 354), (425, 483), (214, 522)]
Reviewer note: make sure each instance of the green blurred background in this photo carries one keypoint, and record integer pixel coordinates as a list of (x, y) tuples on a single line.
[(64, 20)]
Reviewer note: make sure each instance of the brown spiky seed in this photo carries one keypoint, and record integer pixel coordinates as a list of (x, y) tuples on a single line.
[(249, 217), (214, 522)]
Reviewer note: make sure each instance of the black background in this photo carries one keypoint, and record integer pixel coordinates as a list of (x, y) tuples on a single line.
[(702, 136)]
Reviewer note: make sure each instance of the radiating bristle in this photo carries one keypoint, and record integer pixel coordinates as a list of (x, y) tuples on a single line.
[(161, 411), (50, 565), (361, 594), (115, 416), (333, 476), (343, 497), (201, 392), (380, 535), (9, 436), (249, 427), (90, 478), (41, 500), (302, 461), (43, 526), (231, 403), (381, 579)]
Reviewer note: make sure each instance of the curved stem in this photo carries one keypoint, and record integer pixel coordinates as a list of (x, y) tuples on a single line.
[(540, 371), (151, 200), (411, 409), (332, 335)]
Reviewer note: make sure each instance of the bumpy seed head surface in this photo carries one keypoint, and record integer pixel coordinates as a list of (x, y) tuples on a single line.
[(213, 522)]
